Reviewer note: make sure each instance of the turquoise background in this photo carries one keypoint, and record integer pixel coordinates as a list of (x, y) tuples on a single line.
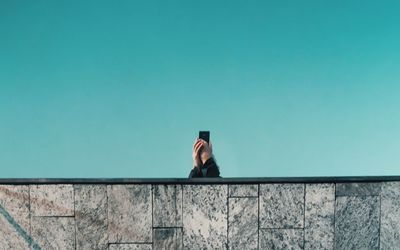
[(121, 88)]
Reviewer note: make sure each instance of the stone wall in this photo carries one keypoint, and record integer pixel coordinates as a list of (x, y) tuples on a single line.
[(349, 215)]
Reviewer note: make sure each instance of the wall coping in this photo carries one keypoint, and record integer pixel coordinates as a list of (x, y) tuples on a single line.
[(237, 180)]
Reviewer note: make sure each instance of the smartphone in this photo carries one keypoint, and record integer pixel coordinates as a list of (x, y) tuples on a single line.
[(205, 135)]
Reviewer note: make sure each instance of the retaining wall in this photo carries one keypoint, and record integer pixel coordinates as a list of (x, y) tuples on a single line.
[(233, 213)]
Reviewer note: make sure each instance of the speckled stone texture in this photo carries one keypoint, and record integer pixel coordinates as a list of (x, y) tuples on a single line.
[(281, 239), (357, 222), (281, 205), (167, 202), (54, 232), (319, 216), (168, 238), (15, 201), (130, 247), (205, 216), (356, 189), (91, 217), (243, 223), (129, 213), (390, 216), (52, 200), (243, 190)]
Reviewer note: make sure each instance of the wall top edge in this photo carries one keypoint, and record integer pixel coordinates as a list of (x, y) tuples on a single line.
[(237, 180)]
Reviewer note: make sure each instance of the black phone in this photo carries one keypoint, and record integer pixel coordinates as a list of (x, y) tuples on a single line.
[(205, 135)]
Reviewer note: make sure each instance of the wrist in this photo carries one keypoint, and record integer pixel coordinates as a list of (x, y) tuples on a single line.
[(204, 159)]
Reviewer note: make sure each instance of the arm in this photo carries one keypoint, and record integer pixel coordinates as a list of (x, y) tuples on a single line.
[(195, 173), (213, 169)]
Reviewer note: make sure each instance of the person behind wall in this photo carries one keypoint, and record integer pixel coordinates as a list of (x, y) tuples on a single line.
[(204, 164)]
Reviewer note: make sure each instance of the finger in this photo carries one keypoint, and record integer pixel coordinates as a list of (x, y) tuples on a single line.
[(198, 148), (197, 142)]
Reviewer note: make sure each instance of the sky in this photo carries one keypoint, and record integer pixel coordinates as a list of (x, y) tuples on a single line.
[(112, 89)]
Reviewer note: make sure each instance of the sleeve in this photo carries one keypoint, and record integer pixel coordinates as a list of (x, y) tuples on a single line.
[(213, 169), (195, 173)]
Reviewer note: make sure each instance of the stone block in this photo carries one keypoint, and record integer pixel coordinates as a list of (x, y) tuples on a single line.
[(358, 188), (167, 206), (167, 238), (14, 217), (246, 190), (281, 205), (390, 216), (129, 213), (319, 216), (281, 239), (91, 217), (54, 232), (205, 216), (243, 223), (52, 200), (357, 222)]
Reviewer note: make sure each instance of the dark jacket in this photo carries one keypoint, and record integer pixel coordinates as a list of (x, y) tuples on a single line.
[(212, 170)]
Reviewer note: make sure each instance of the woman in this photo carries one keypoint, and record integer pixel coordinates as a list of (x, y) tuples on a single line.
[(204, 164)]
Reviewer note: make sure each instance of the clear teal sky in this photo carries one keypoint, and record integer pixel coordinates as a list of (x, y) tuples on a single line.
[(121, 88)]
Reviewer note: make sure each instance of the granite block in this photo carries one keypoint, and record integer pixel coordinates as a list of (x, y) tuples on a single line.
[(243, 190), (357, 222), (167, 238), (281, 205), (358, 188), (319, 216), (129, 213), (167, 206), (14, 201), (52, 200), (281, 239), (91, 216), (130, 247), (205, 216), (54, 232), (390, 216), (243, 223)]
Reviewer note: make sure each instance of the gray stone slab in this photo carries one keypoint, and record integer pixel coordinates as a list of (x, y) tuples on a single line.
[(358, 188), (281, 205), (205, 216), (319, 216), (52, 200), (167, 238), (357, 222), (167, 206), (54, 232), (390, 216), (281, 239), (91, 216), (243, 223), (129, 213), (246, 190), (130, 247), (14, 200)]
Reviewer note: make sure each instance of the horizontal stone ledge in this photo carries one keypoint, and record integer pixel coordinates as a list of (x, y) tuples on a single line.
[(237, 180)]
